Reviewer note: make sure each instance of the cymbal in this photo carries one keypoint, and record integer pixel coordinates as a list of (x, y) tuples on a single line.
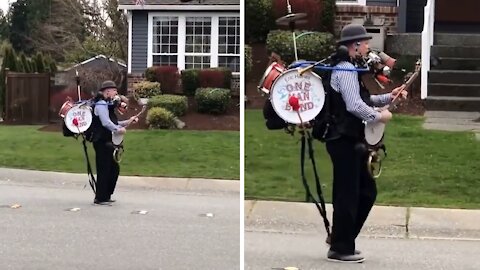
[(292, 17)]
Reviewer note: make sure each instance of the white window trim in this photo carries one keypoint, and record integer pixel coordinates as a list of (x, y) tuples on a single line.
[(182, 36), (352, 3), (129, 19)]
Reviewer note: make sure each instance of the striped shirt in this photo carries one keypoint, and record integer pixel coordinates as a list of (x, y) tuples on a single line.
[(346, 83), (102, 112)]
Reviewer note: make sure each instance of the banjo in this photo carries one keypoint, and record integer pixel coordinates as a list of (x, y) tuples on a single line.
[(117, 138), (374, 132)]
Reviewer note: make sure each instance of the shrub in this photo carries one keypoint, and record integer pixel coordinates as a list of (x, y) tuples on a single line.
[(215, 78), (168, 77), (147, 89), (259, 20), (212, 100), (190, 81), (248, 59), (150, 74), (328, 16), (313, 8), (176, 104), (311, 47), (160, 118)]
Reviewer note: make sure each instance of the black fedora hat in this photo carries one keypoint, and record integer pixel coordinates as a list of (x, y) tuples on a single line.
[(353, 32), (108, 84)]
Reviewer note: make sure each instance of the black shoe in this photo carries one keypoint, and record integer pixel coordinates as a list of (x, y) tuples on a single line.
[(329, 243), (344, 258), (102, 202), (110, 200)]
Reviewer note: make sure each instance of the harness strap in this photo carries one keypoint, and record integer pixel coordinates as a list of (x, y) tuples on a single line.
[(309, 197), (91, 177)]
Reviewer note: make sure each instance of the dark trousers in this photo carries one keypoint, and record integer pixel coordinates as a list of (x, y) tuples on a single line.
[(107, 170), (354, 193)]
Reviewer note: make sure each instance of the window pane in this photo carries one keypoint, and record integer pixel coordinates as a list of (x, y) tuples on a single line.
[(165, 40), (197, 62), (199, 30), (229, 42), (231, 62), (164, 60)]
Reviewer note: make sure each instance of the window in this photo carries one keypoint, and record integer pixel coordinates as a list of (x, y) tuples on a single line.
[(194, 40), (165, 41), (229, 43), (197, 42)]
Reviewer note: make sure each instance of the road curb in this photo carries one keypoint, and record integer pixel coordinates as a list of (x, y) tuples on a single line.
[(384, 221), (163, 183)]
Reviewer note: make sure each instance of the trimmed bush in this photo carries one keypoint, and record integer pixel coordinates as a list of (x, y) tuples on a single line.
[(150, 74), (311, 47), (328, 16), (215, 78), (160, 118), (212, 100), (248, 59), (168, 77), (146, 89), (259, 20), (176, 104), (190, 81)]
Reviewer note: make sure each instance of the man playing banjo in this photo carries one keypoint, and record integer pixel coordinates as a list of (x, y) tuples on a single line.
[(105, 122), (354, 189)]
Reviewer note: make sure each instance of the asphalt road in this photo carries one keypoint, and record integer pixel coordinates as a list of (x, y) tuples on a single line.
[(267, 250), (174, 232)]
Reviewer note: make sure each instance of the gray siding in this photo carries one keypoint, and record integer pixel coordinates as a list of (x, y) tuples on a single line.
[(139, 41), (383, 3)]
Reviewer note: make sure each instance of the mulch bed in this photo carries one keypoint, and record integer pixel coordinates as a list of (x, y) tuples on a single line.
[(412, 106), (193, 120)]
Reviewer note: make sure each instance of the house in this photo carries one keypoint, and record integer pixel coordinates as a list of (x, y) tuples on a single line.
[(445, 29), (187, 34)]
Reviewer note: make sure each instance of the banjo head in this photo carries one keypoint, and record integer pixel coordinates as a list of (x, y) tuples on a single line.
[(308, 88), (80, 114), (117, 139), (374, 132)]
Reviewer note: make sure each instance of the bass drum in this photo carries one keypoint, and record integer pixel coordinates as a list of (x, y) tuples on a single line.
[(79, 118), (308, 88)]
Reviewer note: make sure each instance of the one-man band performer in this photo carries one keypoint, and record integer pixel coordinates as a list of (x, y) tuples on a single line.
[(354, 189), (105, 122)]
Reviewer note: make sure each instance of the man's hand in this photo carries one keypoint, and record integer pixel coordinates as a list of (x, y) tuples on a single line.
[(401, 89), (133, 119), (121, 130), (386, 115)]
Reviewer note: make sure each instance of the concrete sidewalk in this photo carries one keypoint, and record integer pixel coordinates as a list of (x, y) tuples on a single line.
[(384, 221), (29, 177)]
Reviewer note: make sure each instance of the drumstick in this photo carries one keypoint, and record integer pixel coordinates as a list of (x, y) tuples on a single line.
[(293, 101)]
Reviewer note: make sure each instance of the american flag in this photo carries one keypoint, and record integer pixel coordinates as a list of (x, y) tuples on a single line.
[(140, 2)]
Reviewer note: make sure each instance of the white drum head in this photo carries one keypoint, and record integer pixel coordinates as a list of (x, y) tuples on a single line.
[(83, 115), (374, 132), (117, 139), (308, 88)]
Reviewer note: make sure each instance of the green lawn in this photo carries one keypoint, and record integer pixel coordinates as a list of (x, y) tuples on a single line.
[(147, 153), (423, 168)]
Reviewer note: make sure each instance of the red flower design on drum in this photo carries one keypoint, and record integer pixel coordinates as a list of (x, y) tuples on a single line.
[(75, 122), (293, 101)]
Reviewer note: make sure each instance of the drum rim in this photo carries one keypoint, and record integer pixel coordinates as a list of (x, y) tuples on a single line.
[(265, 75), (296, 70), (63, 106)]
